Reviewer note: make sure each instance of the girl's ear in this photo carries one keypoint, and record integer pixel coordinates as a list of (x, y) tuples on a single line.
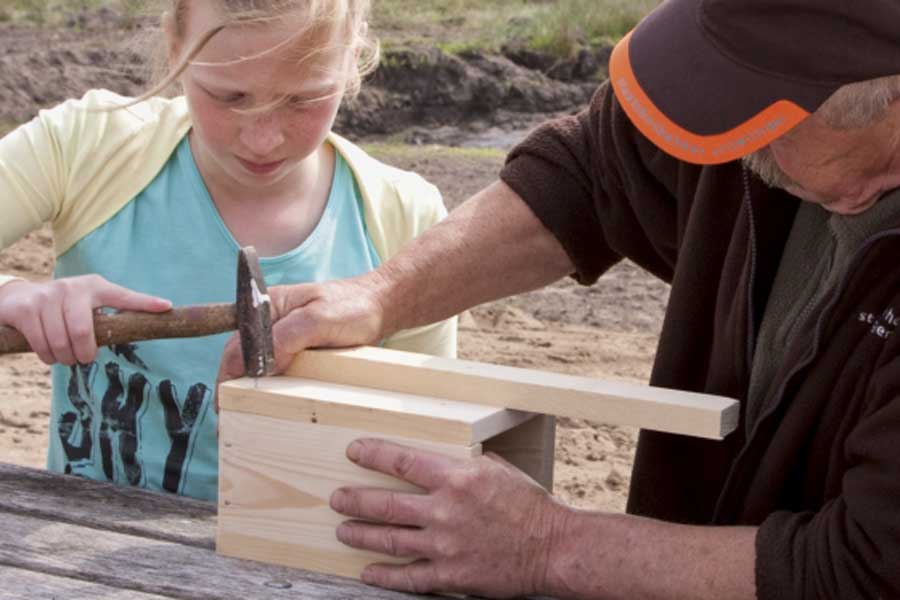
[(363, 32), (173, 41)]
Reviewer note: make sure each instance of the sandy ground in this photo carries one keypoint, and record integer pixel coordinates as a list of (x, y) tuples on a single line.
[(607, 330)]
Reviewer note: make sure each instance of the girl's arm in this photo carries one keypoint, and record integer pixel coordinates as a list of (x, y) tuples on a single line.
[(56, 317)]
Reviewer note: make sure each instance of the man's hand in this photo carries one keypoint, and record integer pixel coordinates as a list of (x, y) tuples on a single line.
[(489, 247), (334, 314), (482, 527)]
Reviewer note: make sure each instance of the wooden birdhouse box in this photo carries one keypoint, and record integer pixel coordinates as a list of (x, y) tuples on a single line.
[(282, 443), (282, 440)]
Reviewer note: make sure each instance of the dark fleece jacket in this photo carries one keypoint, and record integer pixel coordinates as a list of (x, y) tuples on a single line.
[(819, 472)]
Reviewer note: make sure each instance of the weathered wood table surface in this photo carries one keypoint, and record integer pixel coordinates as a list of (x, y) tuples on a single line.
[(66, 537)]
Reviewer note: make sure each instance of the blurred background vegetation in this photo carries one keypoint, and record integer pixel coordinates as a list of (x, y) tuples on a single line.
[(556, 27)]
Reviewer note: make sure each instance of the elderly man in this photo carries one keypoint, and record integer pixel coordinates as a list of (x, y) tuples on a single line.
[(785, 294)]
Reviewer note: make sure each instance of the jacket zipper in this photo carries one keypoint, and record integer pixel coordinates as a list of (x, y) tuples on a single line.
[(751, 321), (807, 359)]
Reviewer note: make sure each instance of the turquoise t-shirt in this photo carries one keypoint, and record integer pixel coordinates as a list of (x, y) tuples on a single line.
[(142, 414)]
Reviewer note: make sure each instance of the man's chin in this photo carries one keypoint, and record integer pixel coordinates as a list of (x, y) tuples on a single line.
[(848, 208), (762, 164)]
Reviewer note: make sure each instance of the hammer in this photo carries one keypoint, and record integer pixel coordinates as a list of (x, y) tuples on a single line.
[(251, 314)]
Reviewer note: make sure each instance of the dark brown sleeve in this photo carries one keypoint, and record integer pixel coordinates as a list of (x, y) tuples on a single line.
[(851, 547), (601, 188)]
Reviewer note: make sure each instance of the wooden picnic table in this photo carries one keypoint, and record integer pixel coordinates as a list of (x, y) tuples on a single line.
[(68, 537)]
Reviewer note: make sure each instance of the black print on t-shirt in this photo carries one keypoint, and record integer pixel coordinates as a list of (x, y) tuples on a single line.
[(129, 353), (121, 408), (77, 447), (119, 419), (179, 423)]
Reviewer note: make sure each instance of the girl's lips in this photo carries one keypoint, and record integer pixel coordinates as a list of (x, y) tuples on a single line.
[(260, 168)]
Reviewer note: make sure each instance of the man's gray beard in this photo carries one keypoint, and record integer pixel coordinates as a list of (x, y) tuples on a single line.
[(763, 164)]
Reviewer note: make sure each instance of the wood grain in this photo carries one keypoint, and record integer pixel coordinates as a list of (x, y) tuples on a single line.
[(106, 506), (134, 542), (275, 480), (156, 567), (368, 410), (530, 447), (612, 402), (18, 583)]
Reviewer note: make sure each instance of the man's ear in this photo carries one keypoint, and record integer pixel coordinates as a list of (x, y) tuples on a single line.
[(894, 106)]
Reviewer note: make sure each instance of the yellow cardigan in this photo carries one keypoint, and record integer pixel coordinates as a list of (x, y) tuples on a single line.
[(78, 164)]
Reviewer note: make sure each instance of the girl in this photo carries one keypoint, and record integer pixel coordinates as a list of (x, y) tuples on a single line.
[(152, 198)]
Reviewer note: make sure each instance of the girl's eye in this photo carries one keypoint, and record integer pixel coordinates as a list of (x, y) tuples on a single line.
[(310, 102), (231, 98), (227, 98), (300, 103)]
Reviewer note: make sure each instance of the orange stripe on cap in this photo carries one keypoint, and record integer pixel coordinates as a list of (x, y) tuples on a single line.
[(747, 137)]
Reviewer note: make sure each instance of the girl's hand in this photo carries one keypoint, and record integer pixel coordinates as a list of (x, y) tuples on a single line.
[(57, 317)]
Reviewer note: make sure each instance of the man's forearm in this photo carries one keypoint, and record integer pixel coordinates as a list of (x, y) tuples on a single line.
[(599, 555), (490, 247)]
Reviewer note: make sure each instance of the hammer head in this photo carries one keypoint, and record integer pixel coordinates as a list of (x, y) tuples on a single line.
[(254, 316)]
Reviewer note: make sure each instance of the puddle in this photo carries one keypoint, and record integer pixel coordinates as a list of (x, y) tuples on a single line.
[(494, 137)]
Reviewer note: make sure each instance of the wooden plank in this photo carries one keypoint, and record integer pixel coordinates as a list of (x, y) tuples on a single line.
[(106, 506), (613, 402), (530, 447), (367, 409), (275, 480), (19, 583), (158, 567)]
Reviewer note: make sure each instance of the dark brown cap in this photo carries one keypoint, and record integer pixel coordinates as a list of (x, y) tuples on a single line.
[(709, 81)]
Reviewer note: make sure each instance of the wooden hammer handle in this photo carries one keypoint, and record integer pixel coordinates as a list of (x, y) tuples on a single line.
[(128, 326)]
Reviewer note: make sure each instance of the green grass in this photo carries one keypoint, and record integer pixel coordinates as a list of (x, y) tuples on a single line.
[(398, 151), (6, 127), (563, 27), (49, 13), (559, 27)]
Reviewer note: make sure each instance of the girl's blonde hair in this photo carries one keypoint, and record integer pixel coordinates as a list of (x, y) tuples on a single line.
[(320, 22)]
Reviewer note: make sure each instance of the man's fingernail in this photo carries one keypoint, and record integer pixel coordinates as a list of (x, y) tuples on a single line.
[(337, 500), (343, 532), (353, 451), (367, 575)]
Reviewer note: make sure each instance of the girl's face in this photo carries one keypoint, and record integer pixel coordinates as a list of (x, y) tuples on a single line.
[(241, 68)]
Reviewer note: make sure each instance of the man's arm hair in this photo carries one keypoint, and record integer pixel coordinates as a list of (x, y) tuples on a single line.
[(490, 247)]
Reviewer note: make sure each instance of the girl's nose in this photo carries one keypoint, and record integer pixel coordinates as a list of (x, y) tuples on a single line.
[(262, 135)]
